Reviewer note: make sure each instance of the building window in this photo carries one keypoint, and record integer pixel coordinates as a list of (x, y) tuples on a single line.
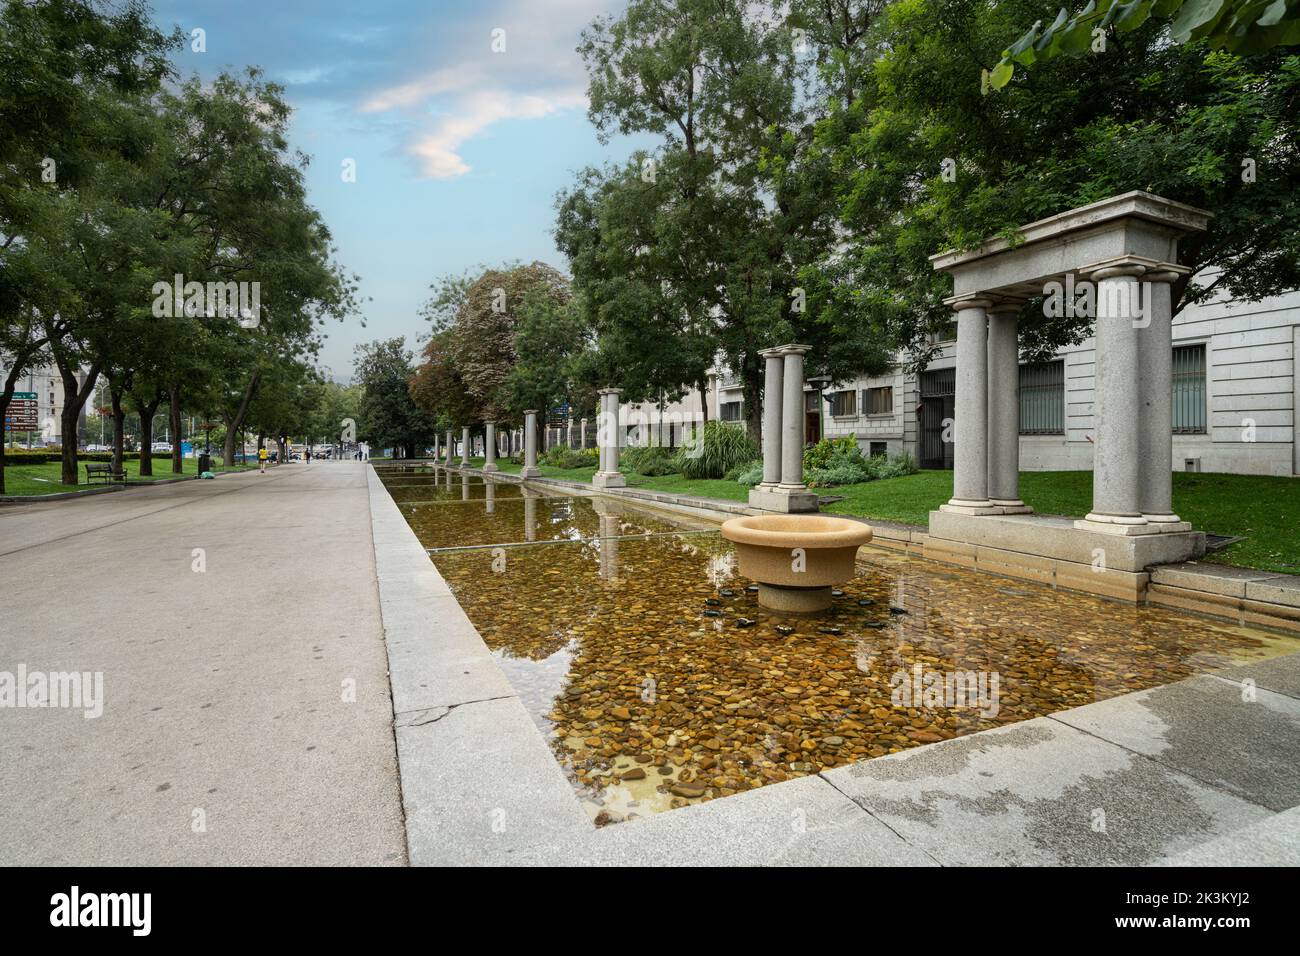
[(879, 449), (729, 411), (878, 401), (844, 403), (1042, 399), (1189, 390)]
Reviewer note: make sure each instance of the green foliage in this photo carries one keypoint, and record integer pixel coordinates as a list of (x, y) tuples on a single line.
[(714, 450), (827, 450), (1238, 26), (839, 461), (561, 456), (748, 474), (389, 417), (1146, 115), (649, 460)]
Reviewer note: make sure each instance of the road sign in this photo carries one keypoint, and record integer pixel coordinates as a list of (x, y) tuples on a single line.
[(22, 415)]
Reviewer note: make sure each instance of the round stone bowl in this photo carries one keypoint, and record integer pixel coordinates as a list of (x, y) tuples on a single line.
[(796, 559)]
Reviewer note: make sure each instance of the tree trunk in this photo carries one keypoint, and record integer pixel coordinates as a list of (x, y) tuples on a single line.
[(20, 359), (703, 386), (119, 428), (74, 397), (5, 398), (236, 421), (175, 398), (752, 389), (146, 433)]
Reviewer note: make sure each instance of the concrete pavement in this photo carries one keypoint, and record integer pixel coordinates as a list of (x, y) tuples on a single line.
[(247, 717)]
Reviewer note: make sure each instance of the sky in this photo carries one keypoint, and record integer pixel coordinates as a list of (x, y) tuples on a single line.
[(459, 148)]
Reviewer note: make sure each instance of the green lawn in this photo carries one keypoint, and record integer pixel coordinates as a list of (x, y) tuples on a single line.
[(44, 479), (1265, 511)]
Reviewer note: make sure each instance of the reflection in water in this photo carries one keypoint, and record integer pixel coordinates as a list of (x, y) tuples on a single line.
[(660, 681)]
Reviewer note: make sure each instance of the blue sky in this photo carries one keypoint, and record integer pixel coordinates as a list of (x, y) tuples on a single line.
[(459, 150)]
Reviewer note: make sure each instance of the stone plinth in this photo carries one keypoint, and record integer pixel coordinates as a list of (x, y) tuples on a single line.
[(785, 502), (1060, 539)]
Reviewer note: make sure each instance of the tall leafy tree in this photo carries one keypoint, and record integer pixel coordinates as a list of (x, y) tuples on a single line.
[(1178, 121), (389, 417), (733, 91)]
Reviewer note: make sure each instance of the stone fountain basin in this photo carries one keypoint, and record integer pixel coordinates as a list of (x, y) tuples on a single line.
[(765, 548)]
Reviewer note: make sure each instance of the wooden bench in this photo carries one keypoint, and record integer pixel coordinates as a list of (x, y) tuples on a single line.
[(103, 471)]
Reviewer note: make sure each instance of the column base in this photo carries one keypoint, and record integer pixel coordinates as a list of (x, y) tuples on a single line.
[(1167, 523), (1011, 506), (530, 471), (784, 501), (608, 479), (1128, 525), (965, 506), (490, 466)]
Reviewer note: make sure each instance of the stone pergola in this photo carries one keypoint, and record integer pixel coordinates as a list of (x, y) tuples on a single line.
[(782, 488), (1127, 247)]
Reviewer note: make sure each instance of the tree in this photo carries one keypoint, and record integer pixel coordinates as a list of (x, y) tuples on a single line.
[(733, 91), (552, 345), (480, 316), (70, 73), (929, 163), (1238, 26), (388, 415)]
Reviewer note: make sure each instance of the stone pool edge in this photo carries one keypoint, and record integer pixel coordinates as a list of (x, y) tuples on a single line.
[(478, 780), (480, 785), (1245, 596)]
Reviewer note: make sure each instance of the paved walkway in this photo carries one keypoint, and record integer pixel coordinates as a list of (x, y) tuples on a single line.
[(224, 737)]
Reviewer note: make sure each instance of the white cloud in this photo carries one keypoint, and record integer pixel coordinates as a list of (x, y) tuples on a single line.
[(539, 74)]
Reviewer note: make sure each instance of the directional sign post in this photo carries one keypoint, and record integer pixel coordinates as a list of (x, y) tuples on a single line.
[(22, 415)]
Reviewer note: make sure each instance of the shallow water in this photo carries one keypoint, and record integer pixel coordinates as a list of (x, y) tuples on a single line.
[(659, 681)]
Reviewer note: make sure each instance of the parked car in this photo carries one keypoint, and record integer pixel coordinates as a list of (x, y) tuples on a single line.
[(99, 448), (165, 447)]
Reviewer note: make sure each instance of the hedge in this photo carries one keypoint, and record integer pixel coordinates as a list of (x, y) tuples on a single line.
[(24, 457)]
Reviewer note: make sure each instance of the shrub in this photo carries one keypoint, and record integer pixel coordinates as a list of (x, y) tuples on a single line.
[(748, 474), (714, 451), (827, 450), (649, 460), (894, 466), (561, 456), (852, 469)]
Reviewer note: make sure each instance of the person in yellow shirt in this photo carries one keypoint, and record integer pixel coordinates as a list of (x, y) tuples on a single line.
[(261, 459)]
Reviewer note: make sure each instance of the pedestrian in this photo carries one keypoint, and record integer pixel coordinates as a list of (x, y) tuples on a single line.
[(262, 455)]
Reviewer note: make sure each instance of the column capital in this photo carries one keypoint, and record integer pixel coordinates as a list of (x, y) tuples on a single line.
[(1165, 275), (793, 349), (959, 303), (609, 391), (774, 352), (530, 411), (1006, 306), (1129, 265)]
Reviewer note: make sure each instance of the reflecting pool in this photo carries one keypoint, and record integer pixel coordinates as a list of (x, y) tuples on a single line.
[(659, 681)]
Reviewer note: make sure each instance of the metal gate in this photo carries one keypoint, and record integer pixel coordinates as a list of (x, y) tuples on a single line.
[(938, 390)]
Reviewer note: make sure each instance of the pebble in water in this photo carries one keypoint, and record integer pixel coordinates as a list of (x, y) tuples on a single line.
[(621, 673)]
